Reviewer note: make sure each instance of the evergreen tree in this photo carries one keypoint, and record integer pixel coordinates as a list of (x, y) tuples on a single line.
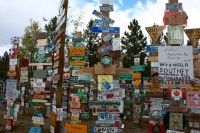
[(92, 41), (133, 43), (4, 65)]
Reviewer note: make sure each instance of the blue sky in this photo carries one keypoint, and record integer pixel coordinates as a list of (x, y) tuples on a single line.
[(16, 14)]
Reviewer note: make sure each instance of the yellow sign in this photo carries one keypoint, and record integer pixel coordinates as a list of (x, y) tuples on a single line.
[(76, 128), (155, 32), (10, 73), (77, 51), (74, 118), (137, 82), (193, 35), (105, 78), (53, 118), (137, 76), (77, 63)]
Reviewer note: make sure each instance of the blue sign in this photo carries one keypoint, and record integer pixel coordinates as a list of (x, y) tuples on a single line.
[(100, 15), (114, 30), (153, 48), (101, 22), (196, 50), (35, 129)]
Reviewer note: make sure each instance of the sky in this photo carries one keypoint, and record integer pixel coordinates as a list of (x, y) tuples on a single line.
[(16, 14)]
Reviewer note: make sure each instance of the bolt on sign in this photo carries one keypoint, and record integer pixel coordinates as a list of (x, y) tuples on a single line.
[(77, 51), (193, 35), (155, 32), (175, 35)]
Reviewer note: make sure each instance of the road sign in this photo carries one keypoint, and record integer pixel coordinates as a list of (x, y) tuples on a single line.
[(155, 32), (41, 58), (175, 35), (80, 58), (153, 48), (100, 15), (138, 68), (113, 30), (14, 51), (193, 35), (110, 2), (107, 8), (125, 76)]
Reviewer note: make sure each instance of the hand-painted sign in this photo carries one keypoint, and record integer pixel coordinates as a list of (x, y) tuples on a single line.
[(155, 32), (138, 68), (113, 30), (176, 121), (107, 8), (175, 18), (100, 15), (173, 6), (193, 98), (104, 48), (105, 78), (175, 35), (175, 62), (77, 51)]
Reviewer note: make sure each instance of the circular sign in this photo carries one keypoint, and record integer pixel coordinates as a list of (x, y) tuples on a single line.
[(106, 60)]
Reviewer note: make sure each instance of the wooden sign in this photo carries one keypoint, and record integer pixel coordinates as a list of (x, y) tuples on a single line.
[(11, 73), (59, 96), (155, 32), (100, 69), (76, 128), (77, 63), (193, 35), (77, 51), (175, 18), (152, 59), (196, 68)]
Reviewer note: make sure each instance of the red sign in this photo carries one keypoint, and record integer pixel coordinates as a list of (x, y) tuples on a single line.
[(14, 51)]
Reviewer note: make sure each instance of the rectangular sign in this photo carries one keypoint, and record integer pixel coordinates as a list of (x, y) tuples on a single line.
[(76, 128), (60, 24), (116, 44), (173, 6), (105, 78), (100, 22), (176, 121), (125, 76), (77, 51), (193, 98), (153, 48), (109, 2), (175, 62), (138, 68), (113, 30), (105, 103), (85, 76), (39, 74), (77, 58), (104, 48), (13, 62), (100, 15), (107, 38), (175, 35), (107, 8), (104, 129), (11, 87), (38, 85)]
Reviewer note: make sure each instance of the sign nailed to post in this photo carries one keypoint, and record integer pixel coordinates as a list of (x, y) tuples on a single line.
[(155, 32), (100, 15), (193, 35), (77, 51), (175, 35), (113, 30)]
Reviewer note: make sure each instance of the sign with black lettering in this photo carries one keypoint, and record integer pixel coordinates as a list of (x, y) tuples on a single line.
[(175, 62)]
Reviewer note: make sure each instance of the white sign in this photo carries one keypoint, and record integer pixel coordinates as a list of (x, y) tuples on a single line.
[(110, 2), (105, 129), (38, 85), (136, 60), (85, 76), (13, 62), (59, 114), (175, 62), (116, 44)]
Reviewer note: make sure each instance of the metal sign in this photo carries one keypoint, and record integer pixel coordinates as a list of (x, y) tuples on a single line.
[(116, 44), (13, 62), (155, 32), (77, 51), (107, 38), (113, 30), (107, 8), (104, 48), (40, 74), (110, 2), (100, 22), (125, 76), (173, 6), (14, 51), (85, 76), (193, 35), (105, 103), (104, 129), (138, 68), (11, 87), (77, 39), (63, 21), (153, 48), (100, 15), (175, 35)]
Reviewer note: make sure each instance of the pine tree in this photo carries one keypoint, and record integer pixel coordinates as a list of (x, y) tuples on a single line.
[(4, 65), (133, 43), (92, 41)]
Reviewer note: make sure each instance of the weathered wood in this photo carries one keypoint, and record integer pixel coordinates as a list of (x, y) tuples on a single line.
[(100, 69)]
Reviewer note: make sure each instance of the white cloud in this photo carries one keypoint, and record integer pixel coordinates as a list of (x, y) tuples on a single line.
[(15, 15)]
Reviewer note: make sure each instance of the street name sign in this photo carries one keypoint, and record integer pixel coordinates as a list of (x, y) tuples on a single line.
[(100, 15), (113, 30)]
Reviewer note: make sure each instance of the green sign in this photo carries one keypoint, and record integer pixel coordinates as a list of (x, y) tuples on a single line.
[(128, 102), (79, 44), (139, 94), (125, 76), (85, 115), (74, 80), (105, 103), (41, 58), (106, 60), (40, 74), (81, 58), (175, 34), (76, 67), (138, 68)]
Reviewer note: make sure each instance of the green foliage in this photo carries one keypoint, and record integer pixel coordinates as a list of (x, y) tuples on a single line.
[(92, 41), (133, 43), (29, 48), (4, 65)]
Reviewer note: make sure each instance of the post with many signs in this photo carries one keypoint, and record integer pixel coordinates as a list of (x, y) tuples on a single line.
[(56, 114), (175, 67)]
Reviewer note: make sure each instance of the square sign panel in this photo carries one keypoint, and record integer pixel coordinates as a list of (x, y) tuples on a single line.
[(175, 34)]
